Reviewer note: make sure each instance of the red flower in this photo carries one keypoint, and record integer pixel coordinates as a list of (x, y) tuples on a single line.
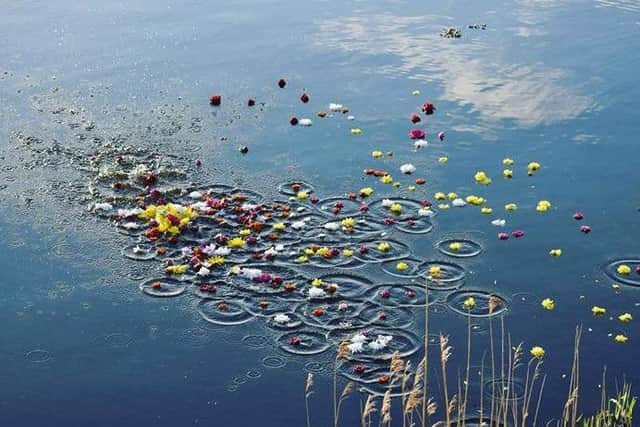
[(282, 83), (428, 108), (304, 97), (293, 120), (415, 118), (215, 100)]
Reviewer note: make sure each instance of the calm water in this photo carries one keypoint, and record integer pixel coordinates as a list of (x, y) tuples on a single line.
[(550, 81)]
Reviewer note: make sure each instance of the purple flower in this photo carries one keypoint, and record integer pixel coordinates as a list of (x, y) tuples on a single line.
[(517, 233), (363, 208), (363, 249), (385, 293)]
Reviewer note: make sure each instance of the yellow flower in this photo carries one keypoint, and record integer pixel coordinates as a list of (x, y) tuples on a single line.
[(323, 251), (543, 206), (474, 200), (482, 178), (148, 213), (511, 206), (415, 93), (396, 208), (356, 131), (396, 184), (443, 206), (309, 251), (555, 252), (537, 352), (236, 242), (411, 188), (507, 161), (244, 232), (507, 173), (173, 230), (486, 210), (622, 339), (177, 269), (384, 247), (455, 246), (435, 271), (440, 196), (302, 259), (376, 154), (548, 304), (469, 303), (443, 160), (402, 266), (623, 269), (532, 168), (302, 195), (316, 283), (387, 179), (347, 252), (279, 226), (216, 260), (366, 192), (625, 318), (348, 223), (452, 196), (598, 311)]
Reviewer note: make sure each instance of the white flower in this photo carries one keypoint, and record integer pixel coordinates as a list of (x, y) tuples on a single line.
[(209, 249), (458, 202), (498, 222), (335, 107), (281, 318), (305, 122), (316, 293), (332, 226), (271, 252), (195, 195), (386, 203), (359, 338), (200, 206), (420, 143), (356, 347), (124, 213), (139, 171), (407, 168), (222, 251), (130, 225), (375, 345), (351, 118), (137, 250), (102, 207), (185, 251), (204, 271), (425, 212), (248, 206), (250, 273), (298, 225)]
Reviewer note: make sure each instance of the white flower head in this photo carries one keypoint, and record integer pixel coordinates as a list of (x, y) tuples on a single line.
[(195, 195), (281, 318), (317, 293), (407, 168), (356, 347), (335, 107), (420, 143), (498, 222), (425, 212), (386, 203), (458, 202), (359, 338), (204, 271), (332, 226), (305, 122)]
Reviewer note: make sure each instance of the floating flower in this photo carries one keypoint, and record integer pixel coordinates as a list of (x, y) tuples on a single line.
[(532, 168), (281, 318), (503, 236), (555, 252), (356, 131), (621, 339), (216, 261), (498, 222), (343, 306), (245, 232), (359, 369), (511, 206), (295, 341), (402, 266), (176, 269), (317, 312), (384, 247), (442, 160), (475, 200), (598, 311), (215, 100), (417, 134), (625, 318), (548, 304), (335, 107), (282, 83), (507, 173), (279, 226), (585, 229), (623, 270), (507, 161), (451, 195), (302, 259), (383, 379), (486, 211), (348, 222), (469, 303), (578, 216), (385, 293), (251, 102), (482, 178), (304, 97), (236, 243), (435, 271), (537, 352), (407, 168), (441, 136), (316, 282), (316, 293), (396, 208), (415, 92), (386, 179), (415, 118), (302, 195), (305, 122), (347, 252), (443, 206), (376, 154), (458, 203), (517, 233), (455, 246), (428, 108), (411, 188), (543, 206)]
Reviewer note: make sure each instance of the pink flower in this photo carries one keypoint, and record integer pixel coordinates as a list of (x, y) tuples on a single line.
[(441, 136), (295, 340), (417, 134), (415, 119), (359, 369), (585, 229), (503, 236), (385, 293), (578, 216), (517, 233), (314, 199), (363, 208)]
